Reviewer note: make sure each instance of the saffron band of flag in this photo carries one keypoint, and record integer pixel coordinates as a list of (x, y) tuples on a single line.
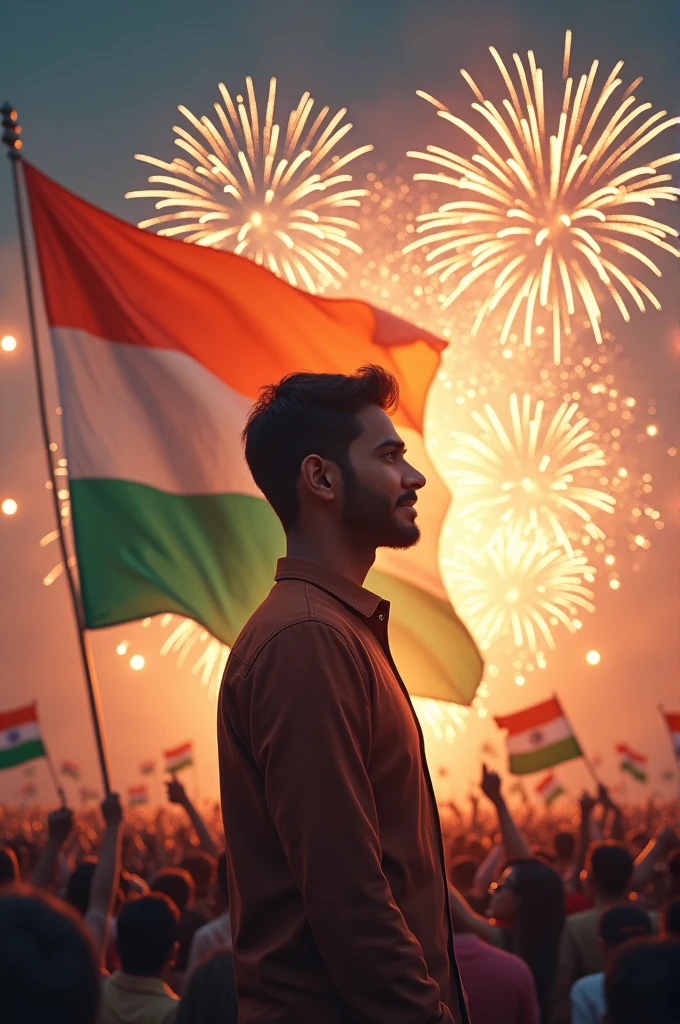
[(538, 737), (550, 788), (20, 738), (179, 757), (161, 348), (632, 762)]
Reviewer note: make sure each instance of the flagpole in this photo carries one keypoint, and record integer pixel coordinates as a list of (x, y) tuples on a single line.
[(584, 757), (10, 138), (50, 764)]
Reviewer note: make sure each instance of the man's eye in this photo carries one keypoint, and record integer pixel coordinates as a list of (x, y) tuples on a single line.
[(389, 455)]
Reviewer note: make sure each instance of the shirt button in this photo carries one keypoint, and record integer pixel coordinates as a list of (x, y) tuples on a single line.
[(382, 616)]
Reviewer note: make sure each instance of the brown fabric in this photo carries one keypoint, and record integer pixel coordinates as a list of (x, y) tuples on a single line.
[(336, 867)]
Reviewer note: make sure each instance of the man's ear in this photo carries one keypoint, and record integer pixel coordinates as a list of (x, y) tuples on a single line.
[(320, 478)]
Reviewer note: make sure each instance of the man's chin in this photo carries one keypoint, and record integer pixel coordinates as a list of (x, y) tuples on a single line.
[(401, 537)]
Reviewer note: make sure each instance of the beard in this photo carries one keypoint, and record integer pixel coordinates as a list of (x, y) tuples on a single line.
[(374, 516)]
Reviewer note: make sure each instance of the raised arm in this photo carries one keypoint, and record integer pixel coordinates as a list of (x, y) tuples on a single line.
[(311, 742), (516, 847), (587, 804), (59, 826), (613, 813), (106, 874), (178, 795), (654, 853)]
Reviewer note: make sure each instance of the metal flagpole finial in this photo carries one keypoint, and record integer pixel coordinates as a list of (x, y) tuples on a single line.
[(11, 130)]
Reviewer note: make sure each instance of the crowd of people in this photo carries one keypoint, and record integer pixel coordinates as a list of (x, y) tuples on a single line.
[(120, 918)]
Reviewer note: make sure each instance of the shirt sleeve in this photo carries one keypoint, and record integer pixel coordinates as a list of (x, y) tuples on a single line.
[(311, 739)]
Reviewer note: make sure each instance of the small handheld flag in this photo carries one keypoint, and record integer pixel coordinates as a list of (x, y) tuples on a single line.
[(539, 737), (20, 738), (70, 769), (138, 795), (549, 788), (88, 795), (147, 768), (672, 719), (632, 762), (179, 757)]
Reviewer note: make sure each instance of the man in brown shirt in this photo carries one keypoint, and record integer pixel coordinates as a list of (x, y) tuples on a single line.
[(336, 866)]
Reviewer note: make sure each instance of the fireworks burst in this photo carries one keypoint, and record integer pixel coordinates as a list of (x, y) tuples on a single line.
[(275, 197), (544, 218), (520, 587), (188, 639), (532, 472)]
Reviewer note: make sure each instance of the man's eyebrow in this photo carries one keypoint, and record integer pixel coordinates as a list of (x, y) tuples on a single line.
[(390, 442)]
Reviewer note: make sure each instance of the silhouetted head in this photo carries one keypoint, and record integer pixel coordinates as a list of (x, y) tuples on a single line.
[(146, 934)]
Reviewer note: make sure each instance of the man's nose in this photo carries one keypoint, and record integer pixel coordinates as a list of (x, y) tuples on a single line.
[(413, 479)]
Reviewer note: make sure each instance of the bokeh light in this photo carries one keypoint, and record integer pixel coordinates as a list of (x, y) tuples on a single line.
[(8, 343), (9, 506)]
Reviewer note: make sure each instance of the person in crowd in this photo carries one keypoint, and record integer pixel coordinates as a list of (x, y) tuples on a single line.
[(527, 906), (499, 985), (335, 854), (643, 985), (9, 866), (616, 926), (177, 794), (609, 877), (209, 996), (48, 963), (671, 920), (92, 887), (202, 867), (215, 934), (178, 885), (146, 941), (564, 852)]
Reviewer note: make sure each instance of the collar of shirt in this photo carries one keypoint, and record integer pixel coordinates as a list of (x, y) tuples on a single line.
[(142, 984), (360, 600)]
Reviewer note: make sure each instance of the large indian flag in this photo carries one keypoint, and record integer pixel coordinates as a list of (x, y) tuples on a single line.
[(538, 737), (161, 348)]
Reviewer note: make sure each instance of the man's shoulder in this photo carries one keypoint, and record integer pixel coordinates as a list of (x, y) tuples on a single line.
[(583, 919), (290, 604), (587, 986)]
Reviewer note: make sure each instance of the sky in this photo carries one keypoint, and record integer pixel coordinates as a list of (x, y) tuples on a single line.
[(95, 83)]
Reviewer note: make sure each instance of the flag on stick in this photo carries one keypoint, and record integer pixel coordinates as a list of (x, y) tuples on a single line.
[(138, 795), (550, 788), (161, 348), (147, 767), (179, 757), (672, 719), (538, 737), (20, 738), (632, 762), (70, 769)]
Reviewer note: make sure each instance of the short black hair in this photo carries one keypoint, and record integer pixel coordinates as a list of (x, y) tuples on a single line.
[(9, 865), (176, 883), (621, 924), (48, 965), (643, 984), (612, 868), (146, 932), (80, 883), (309, 414)]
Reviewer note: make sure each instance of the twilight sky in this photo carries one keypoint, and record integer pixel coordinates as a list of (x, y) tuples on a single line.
[(95, 83)]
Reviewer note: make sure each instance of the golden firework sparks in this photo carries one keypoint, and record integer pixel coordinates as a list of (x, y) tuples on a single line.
[(545, 219), (277, 197), (188, 639), (531, 471), (519, 587)]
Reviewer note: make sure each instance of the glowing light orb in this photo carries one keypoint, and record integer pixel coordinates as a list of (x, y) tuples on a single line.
[(519, 587), (529, 470), (122, 648), (593, 657), (8, 343), (277, 196), (9, 507), (546, 214), (137, 662)]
